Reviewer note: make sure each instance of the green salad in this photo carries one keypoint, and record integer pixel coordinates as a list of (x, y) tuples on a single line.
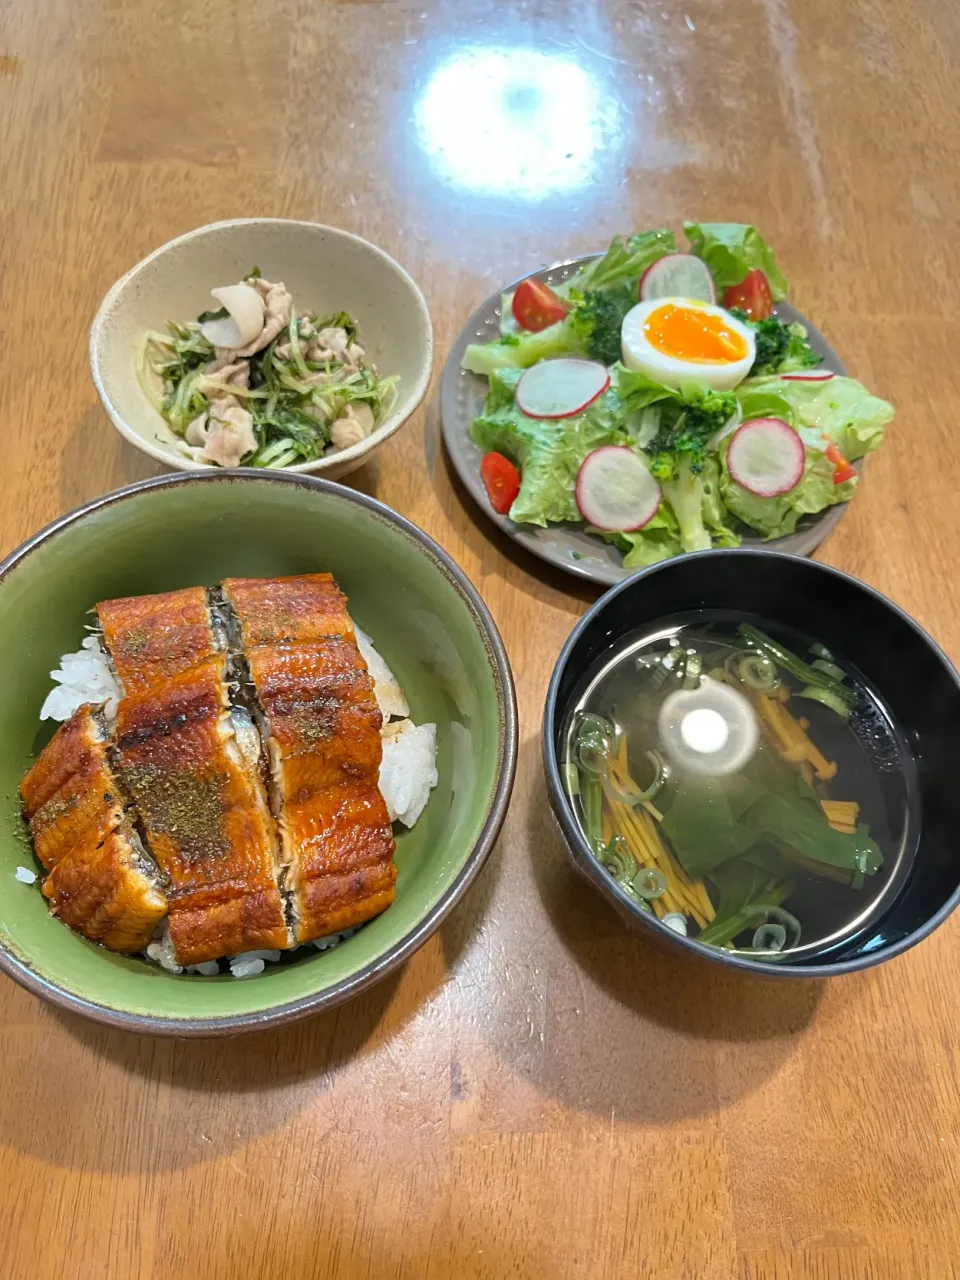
[(254, 383), (657, 398)]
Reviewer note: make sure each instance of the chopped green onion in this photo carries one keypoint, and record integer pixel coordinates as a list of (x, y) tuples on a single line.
[(796, 666), (650, 883), (571, 779), (758, 672), (829, 669), (828, 698), (691, 671), (671, 662)]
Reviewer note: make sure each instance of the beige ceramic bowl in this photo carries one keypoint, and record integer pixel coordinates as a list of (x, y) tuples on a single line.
[(325, 269)]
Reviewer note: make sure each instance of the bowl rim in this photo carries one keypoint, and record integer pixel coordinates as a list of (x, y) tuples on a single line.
[(401, 951), (584, 860), (389, 427)]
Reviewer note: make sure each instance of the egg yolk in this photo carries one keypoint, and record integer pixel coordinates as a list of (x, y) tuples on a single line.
[(687, 333)]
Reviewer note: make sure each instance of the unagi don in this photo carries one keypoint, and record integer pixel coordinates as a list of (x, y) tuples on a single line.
[(195, 782), (168, 813), (101, 881), (325, 749)]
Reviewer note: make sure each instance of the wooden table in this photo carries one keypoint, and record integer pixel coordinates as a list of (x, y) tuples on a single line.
[(536, 1094)]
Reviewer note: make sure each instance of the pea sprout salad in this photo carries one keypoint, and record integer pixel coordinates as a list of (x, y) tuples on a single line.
[(255, 383)]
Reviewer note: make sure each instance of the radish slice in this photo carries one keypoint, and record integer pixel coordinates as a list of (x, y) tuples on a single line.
[(678, 275), (815, 375), (766, 457), (615, 491), (561, 388), (244, 320)]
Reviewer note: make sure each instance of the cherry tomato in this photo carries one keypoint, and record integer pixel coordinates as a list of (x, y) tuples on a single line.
[(501, 480), (751, 295), (536, 306), (842, 469)]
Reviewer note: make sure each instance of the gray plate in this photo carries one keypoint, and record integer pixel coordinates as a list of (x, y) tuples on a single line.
[(567, 545)]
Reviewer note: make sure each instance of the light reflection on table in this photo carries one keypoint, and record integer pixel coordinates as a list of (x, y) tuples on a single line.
[(516, 123)]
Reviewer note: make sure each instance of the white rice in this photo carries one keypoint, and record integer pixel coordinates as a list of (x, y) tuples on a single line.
[(245, 964), (386, 687), (249, 963), (408, 772), (84, 676), (25, 875)]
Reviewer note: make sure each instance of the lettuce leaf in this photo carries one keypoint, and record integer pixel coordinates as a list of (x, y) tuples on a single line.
[(658, 540), (778, 517), (730, 250), (548, 453), (840, 408), (714, 512), (637, 390), (623, 263), (765, 398), (501, 389), (626, 261)]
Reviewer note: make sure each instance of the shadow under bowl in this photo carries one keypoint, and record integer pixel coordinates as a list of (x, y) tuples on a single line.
[(916, 682), (424, 616)]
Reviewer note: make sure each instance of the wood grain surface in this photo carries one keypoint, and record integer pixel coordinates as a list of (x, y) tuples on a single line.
[(536, 1094)]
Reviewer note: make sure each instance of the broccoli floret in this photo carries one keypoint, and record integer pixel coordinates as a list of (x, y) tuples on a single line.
[(685, 494), (590, 330), (685, 429), (597, 318), (684, 421), (772, 340), (679, 458), (800, 354), (781, 348)]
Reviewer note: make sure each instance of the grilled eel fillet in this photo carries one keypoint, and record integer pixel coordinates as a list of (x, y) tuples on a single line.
[(325, 749), (202, 801), (100, 881)]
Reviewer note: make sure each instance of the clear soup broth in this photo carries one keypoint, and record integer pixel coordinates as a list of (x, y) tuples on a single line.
[(745, 785)]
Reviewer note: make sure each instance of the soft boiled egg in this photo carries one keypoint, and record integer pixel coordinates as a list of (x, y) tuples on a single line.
[(676, 339)]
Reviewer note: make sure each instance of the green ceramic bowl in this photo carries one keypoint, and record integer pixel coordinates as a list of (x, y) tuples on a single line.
[(427, 620)]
